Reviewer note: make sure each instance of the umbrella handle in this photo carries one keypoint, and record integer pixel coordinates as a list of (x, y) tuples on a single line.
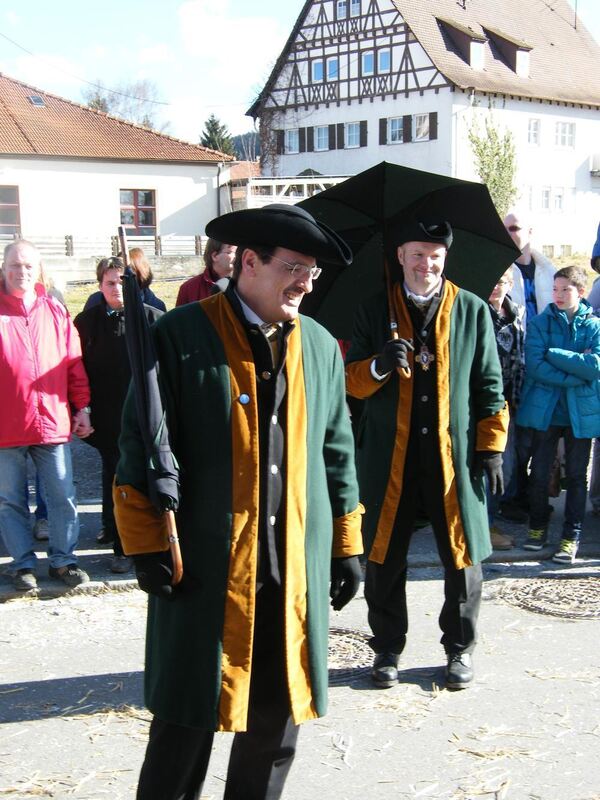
[(174, 547), (405, 371)]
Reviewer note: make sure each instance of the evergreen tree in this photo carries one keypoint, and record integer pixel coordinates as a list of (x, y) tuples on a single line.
[(216, 136), (495, 162)]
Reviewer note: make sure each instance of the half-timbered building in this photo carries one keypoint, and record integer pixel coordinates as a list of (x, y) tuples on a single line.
[(359, 81)]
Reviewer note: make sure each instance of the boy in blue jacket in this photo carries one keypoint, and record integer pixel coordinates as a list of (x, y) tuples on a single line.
[(561, 397)]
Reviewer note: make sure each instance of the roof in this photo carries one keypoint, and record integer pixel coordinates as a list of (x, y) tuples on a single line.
[(61, 128), (242, 170), (563, 63), (563, 59)]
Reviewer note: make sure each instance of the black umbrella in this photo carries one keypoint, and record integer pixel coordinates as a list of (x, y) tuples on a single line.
[(161, 466), (363, 208)]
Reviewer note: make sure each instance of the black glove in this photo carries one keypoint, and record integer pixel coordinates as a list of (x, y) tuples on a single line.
[(154, 572), (345, 580), (393, 356), (491, 464)]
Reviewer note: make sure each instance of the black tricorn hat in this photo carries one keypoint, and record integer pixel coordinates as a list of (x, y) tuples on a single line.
[(279, 225), (435, 232)]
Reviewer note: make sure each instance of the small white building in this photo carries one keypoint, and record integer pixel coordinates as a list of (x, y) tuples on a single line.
[(361, 81), (68, 170)]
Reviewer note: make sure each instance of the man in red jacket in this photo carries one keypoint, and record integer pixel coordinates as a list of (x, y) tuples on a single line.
[(45, 397), (218, 260)]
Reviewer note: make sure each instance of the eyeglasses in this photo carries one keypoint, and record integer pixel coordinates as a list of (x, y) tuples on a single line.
[(514, 228), (503, 283), (300, 270)]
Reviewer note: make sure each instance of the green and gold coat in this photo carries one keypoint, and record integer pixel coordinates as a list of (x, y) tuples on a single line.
[(199, 647), (471, 414)]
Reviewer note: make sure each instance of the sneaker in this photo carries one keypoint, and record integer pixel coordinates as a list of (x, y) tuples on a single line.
[(24, 580), (41, 530), (459, 670), (567, 550), (72, 575), (121, 564), (384, 672), (499, 540), (536, 539)]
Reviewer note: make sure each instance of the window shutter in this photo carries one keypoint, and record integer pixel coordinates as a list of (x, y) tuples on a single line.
[(332, 137), (363, 132), (280, 138), (433, 133), (310, 139), (302, 140), (340, 135), (407, 128), (383, 130)]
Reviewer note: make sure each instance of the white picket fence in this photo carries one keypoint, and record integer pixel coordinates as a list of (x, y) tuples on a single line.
[(88, 247)]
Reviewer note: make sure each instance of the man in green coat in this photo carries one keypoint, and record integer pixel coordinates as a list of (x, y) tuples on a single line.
[(434, 422), (255, 402)]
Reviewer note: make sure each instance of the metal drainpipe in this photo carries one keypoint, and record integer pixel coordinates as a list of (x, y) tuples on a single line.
[(219, 165)]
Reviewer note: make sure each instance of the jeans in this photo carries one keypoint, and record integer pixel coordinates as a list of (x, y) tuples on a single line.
[(41, 512), (509, 463), (53, 464), (577, 456), (595, 479)]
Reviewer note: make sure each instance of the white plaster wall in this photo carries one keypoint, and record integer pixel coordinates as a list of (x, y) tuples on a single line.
[(542, 166), (82, 197), (434, 156)]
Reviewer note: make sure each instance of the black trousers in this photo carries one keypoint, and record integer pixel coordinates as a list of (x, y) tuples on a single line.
[(110, 457), (385, 584), (177, 757)]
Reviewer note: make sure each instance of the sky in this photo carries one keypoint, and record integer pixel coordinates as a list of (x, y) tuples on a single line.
[(205, 56)]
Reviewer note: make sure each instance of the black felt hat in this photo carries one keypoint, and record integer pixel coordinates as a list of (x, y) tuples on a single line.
[(435, 232), (279, 225)]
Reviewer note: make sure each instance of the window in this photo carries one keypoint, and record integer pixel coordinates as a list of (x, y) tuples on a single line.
[(333, 68), (341, 7), (548, 250), (395, 130), (533, 132), (138, 211), (566, 250), (564, 134), (355, 8), (546, 198), (384, 61), (317, 71), (322, 137), (559, 199), (9, 210), (421, 127), (37, 100), (352, 134), (368, 63), (292, 141)]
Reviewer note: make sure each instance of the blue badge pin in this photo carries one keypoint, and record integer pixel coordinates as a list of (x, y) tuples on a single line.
[(244, 399)]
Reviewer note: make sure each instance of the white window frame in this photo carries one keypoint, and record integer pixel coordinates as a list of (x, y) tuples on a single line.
[(545, 199), (564, 135), (558, 199), (333, 76), (355, 128), (355, 8), (380, 53), (365, 54), (420, 125), (316, 66), (395, 130), (321, 131), (533, 131), (341, 9), (291, 141)]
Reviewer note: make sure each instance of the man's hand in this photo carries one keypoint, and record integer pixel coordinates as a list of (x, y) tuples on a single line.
[(154, 572), (81, 425), (393, 356), (345, 580), (491, 464)]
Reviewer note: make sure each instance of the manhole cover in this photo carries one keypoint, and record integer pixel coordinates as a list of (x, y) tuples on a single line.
[(349, 655), (573, 598)]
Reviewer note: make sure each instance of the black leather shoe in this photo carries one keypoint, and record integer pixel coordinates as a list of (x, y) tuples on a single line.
[(384, 672), (459, 672)]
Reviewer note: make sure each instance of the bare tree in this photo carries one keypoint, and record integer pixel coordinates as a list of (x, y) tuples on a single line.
[(136, 102)]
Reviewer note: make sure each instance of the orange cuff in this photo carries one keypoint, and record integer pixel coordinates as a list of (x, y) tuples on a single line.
[(347, 538), (141, 528), (360, 383), (492, 431)]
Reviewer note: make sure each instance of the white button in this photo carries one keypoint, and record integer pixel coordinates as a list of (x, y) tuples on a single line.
[(265, 375), (423, 333), (274, 469), (424, 430), (274, 419), (272, 520), (424, 398)]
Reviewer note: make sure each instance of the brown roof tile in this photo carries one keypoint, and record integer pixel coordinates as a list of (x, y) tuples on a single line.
[(64, 129)]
